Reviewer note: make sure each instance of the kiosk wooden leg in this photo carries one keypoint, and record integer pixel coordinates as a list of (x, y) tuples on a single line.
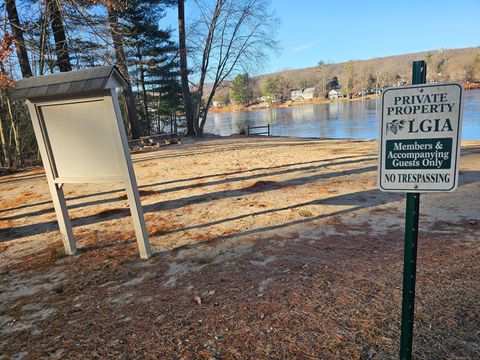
[(138, 219), (64, 223)]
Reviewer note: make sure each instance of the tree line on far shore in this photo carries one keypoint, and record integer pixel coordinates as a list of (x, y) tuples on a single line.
[(353, 78)]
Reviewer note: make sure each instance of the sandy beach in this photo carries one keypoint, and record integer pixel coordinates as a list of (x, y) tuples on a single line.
[(264, 248)]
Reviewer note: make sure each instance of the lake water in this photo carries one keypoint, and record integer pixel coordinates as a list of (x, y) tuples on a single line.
[(351, 119)]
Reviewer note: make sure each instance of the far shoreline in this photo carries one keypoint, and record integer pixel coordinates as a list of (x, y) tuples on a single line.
[(314, 101), (287, 104)]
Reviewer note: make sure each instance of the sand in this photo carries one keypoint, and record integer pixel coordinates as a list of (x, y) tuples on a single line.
[(287, 243)]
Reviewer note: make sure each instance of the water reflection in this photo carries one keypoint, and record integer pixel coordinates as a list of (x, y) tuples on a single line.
[(356, 120)]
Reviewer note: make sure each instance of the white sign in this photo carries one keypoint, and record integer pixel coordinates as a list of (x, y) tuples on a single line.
[(420, 133)]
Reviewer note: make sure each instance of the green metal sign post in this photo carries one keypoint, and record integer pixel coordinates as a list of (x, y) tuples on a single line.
[(419, 76), (419, 150)]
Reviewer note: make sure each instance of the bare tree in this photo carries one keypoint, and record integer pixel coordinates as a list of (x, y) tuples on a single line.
[(58, 29), (324, 73), (471, 66), (7, 158), (187, 96), (42, 46), (348, 78), (228, 38), (366, 78), (122, 65), (26, 70), (18, 39)]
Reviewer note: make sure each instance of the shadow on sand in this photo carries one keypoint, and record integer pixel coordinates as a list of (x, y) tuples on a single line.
[(356, 201)]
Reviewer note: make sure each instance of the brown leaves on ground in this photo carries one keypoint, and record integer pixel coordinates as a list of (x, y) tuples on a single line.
[(3, 247), (294, 263), (331, 299), (158, 224), (20, 199)]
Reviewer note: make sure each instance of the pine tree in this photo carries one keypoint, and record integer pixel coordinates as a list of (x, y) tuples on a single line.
[(270, 89), (151, 53), (242, 92)]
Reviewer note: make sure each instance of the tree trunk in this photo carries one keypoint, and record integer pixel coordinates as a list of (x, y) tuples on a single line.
[(17, 33), (43, 40), (16, 133), (187, 96), (5, 146), (205, 112), (144, 90), (25, 68), (135, 127), (61, 46), (199, 124)]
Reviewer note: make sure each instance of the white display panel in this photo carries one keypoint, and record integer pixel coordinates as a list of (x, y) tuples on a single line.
[(83, 139)]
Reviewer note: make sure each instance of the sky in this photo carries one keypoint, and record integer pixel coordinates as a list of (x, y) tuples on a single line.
[(337, 31)]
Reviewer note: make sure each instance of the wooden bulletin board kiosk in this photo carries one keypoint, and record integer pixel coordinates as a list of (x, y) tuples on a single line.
[(81, 137)]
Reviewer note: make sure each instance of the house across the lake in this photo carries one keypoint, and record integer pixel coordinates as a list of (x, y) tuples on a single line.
[(335, 94), (302, 94)]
